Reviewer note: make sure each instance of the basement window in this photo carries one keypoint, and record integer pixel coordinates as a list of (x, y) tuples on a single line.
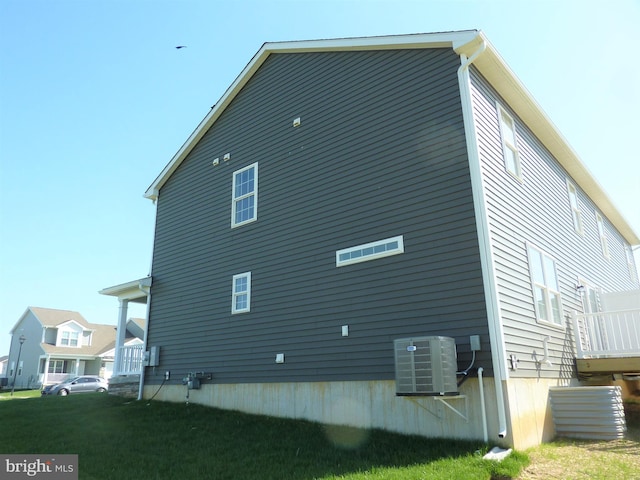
[(370, 251)]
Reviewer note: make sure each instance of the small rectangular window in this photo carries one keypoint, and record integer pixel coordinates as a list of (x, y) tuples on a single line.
[(370, 251), (546, 289), (602, 233), (241, 298), (575, 207), (244, 207), (509, 144)]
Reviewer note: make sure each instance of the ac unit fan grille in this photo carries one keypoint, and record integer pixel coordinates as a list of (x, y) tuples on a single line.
[(426, 366)]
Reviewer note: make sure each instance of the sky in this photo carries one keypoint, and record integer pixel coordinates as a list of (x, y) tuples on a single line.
[(95, 100)]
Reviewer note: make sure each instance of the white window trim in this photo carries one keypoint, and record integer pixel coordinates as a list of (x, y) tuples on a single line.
[(576, 213), (365, 256), (507, 145), (602, 234), (69, 338), (235, 294), (630, 261), (235, 199), (545, 289)]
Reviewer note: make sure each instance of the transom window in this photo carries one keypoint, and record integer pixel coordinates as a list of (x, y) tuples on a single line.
[(509, 144), (241, 297), (575, 208), (546, 290), (244, 208), (370, 251)]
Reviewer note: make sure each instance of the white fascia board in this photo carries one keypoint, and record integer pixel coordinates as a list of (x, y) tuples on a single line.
[(425, 40), (496, 71), (130, 290)]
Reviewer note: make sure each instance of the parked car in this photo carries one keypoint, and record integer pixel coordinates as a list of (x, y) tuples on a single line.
[(77, 384)]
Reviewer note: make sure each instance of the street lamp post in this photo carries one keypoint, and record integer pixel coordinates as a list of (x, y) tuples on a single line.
[(15, 373)]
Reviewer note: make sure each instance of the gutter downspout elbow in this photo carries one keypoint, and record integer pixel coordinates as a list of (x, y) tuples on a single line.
[(484, 238)]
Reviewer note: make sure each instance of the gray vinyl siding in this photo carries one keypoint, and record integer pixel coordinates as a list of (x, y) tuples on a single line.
[(380, 152), (537, 211)]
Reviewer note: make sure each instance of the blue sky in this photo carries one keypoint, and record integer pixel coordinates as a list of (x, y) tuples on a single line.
[(95, 100)]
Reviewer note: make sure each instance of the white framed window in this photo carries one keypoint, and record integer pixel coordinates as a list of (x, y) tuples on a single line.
[(69, 339), (546, 289), (20, 367), (509, 143), (602, 233), (630, 262), (244, 207), (58, 366), (370, 251), (576, 214), (241, 297)]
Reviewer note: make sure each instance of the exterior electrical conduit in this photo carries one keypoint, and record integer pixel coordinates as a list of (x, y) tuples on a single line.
[(484, 240)]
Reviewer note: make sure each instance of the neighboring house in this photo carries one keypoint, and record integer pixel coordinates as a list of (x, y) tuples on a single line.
[(3, 365), (344, 194), (57, 343)]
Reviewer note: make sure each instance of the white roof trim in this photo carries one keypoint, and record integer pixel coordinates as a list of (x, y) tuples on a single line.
[(426, 40), (136, 289), (489, 63)]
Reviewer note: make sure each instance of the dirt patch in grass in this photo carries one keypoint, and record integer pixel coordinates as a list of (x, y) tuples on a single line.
[(567, 459)]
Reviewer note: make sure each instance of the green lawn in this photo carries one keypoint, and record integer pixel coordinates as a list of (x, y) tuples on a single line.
[(128, 439)]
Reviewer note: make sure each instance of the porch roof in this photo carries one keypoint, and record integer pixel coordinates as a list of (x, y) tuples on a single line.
[(133, 291)]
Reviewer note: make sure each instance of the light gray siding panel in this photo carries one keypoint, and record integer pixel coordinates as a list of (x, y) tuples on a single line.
[(380, 152), (537, 210)]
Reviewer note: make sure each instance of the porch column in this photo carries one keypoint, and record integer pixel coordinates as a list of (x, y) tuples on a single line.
[(120, 335), (45, 377)]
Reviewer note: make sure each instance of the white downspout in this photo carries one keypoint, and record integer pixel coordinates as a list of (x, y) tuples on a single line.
[(496, 334), (148, 313), (144, 344)]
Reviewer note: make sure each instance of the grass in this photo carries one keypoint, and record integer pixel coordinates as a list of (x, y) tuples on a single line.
[(570, 459), (124, 439)]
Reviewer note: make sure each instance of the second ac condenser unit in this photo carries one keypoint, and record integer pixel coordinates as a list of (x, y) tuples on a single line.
[(426, 366)]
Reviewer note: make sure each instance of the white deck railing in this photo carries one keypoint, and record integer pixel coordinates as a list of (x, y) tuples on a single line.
[(607, 334), (131, 360)]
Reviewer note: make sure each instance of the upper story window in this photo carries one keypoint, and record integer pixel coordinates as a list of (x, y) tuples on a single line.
[(546, 289), (630, 261), (241, 296), (575, 207), (602, 233), (244, 208), (69, 339), (370, 251), (509, 144)]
